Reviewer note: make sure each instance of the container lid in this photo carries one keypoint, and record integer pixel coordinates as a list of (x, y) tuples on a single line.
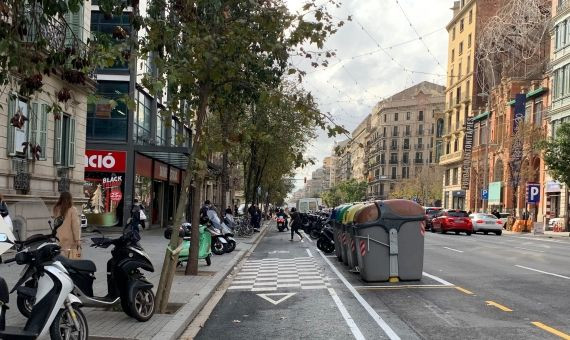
[(367, 213), (349, 216), (343, 212), (400, 209)]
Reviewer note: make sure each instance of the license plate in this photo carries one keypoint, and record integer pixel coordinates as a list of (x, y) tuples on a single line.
[(489, 222)]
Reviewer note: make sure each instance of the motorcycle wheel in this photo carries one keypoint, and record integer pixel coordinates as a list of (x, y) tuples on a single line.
[(168, 233), (320, 245), (208, 260), (315, 234), (63, 327), (26, 303), (142, 308), (329, 248), (230, 246), (218, 248)]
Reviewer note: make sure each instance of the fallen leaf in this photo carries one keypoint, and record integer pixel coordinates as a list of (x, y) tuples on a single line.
[(236, 321)]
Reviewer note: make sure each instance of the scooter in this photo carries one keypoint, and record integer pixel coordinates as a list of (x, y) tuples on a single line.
[(223, 229), (125, 283), (57, 311), (219, 242), (204, 250), (325, 242), (281, 223)]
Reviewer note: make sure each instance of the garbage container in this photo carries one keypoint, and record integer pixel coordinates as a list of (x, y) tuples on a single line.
[(390, 238), (351, 259), (336, 227), (342, 233)]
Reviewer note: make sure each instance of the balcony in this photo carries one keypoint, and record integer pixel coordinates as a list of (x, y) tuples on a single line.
[(418, 161), (451, 158), (393, 161), (405, 161), (393, 147), (419, 146), (406, 146)]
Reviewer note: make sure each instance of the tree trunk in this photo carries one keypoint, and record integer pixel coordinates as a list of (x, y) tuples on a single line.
[(192, 265), (225, 182)]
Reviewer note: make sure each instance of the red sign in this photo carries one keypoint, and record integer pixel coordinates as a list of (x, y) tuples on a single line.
[(160, 171), (105, 161), (116, 195)]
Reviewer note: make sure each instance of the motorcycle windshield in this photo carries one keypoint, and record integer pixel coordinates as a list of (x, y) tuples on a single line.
[(213, 216)]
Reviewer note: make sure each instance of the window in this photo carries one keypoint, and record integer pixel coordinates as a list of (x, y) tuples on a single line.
[(420, 116), (142, 118), (461, 25), (17, 136), (407, 130), (101, 24), (455, 176), (458, 95), (405, 158), (452, 55), (406, 144), (447, 176), (405, 172), (420, 130), (396, 116), (393, 174), (538, 113), (104, 121), (420, 142), (419, 156), (448, 148), (468, 64), (461, 48), (384, 132), (33, 131), (395, 131), (453, 33), (456, 145), (64, 141), (469, 41), (38, 128), (385, 116), (393, 158), (459, 72), (467, 89), (470, 16), (476, 135), (408, 115)]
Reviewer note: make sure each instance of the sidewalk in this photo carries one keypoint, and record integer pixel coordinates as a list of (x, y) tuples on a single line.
[(188, 294), (547, 234)]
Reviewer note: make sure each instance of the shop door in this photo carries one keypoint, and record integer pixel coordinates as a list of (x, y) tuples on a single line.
[(157, 202), (171, 203)]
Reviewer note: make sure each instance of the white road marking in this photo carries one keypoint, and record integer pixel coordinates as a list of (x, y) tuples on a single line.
[(438, 279), (349, 320), (379, 321), (309, 252), (534, 250), (541, 239), (306, 236), (459, 251), (543, 272), (268, 297)]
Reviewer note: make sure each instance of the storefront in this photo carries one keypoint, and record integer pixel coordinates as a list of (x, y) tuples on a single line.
[(495, 196), (104, 187), (458, 197)]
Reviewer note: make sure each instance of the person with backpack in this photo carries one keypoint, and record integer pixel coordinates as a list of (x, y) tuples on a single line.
[(296, 223)]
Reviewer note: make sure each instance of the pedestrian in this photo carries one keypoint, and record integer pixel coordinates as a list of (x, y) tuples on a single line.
[(496, 213), (138, 214), (67, 226), (204, 210), (258, 220), (236, 210), (5, 214), (295, 224)]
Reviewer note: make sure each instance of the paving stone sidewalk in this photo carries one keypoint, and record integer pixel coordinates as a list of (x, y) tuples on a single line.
[(189, 293)]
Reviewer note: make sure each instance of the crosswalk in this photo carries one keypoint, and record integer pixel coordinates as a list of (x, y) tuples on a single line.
[(271, 274)]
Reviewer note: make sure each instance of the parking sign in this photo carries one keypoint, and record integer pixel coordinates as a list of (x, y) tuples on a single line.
[(484, 194), (533, 193)]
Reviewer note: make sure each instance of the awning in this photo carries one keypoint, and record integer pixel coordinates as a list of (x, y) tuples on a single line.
[(173, 156), (552, 187), (481, 116), (530, 94)]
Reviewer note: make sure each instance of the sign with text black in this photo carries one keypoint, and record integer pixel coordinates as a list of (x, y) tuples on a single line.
[(467, 149)]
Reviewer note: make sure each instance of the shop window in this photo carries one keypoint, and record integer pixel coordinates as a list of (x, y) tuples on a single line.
[(64, 141), (104, 194), (105, 121), (538, 113)]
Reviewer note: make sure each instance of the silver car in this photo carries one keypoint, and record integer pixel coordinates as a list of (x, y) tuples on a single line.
[(486, 223)]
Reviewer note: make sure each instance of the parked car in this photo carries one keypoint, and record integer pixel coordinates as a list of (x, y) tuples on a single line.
[(431, 213), (454, 220), (504, 217), (486, 223)]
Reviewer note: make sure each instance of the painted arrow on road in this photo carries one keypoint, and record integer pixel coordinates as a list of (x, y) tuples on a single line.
[(267, 297)]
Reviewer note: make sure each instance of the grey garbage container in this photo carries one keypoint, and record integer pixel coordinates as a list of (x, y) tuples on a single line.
[(351, 248), (390, 243)]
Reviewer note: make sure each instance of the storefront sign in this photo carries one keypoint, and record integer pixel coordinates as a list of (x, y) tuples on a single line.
[(160, 171), (143, 166), (495, 193), (533, 193), (105, 161), (116, 195), (467, 148), (114, 181), (174, 175), (517, 146), (552, 186)]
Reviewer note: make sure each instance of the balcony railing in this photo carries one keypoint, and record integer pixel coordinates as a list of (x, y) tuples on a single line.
[(419, 146), (393, 161), (393, 147), (419, 161), (406, 146), (405, 161)]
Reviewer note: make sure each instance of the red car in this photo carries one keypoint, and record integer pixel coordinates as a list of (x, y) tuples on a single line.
[(452, 220)]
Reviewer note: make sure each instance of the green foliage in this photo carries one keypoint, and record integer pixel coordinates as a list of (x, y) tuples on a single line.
[(557, 154), (422, 187), (348, 191)]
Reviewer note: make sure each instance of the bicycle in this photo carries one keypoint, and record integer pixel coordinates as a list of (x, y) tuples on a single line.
[(243, 227)]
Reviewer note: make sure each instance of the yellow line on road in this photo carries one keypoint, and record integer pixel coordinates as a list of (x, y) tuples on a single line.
[(501, 307), (463, 290), (551, 330)]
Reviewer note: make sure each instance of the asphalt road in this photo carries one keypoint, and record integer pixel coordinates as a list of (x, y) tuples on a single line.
[(474, 287)]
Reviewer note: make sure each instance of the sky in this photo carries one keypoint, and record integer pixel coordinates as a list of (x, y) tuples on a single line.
[(376, 54)]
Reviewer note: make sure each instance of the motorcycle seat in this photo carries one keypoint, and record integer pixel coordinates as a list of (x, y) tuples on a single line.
[(81, 265)]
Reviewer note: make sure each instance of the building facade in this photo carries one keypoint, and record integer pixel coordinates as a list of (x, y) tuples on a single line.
[(557, 195), (401, 137), (357, 150), (343, 164), (44, 156)]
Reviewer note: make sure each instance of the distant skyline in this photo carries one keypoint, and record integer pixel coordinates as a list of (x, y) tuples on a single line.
[(362, 73)]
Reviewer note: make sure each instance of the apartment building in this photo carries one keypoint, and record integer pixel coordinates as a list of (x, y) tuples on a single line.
[(462, 96), (402, 136), (343, 164), (557, 195), (357, 150), (43, 156)]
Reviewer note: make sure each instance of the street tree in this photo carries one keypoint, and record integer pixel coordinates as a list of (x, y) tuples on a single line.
[(421, 187), (557, 154), (202, 48), (347, 191)]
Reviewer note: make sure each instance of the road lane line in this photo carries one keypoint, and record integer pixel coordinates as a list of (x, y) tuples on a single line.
[(309, 252), (463, 290), (541, 239), (306, 236), (459, 251), (543, 272), (551, 330), (534, 250), (498, 305), (349, 320), (438, 279), (379, 321)]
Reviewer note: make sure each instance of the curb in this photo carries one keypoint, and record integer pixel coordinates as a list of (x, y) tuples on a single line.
[(176, 327)]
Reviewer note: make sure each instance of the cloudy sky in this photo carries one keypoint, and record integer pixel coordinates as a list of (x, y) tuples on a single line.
[(377, 54)]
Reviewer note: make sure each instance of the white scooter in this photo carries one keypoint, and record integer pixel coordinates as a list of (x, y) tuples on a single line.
[(56, 311)]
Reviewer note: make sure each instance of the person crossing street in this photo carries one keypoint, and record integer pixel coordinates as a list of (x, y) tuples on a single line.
[(295, 224)]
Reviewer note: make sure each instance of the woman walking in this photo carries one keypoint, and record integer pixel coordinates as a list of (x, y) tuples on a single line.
[(4, 213), (66, 223)]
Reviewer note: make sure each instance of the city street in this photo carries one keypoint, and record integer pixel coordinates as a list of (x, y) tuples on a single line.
[(474, 287)]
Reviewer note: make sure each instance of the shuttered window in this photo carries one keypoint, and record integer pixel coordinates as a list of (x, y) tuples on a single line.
[(57, 141), (71, 144), (42, 132), (10, 132), (75, 26)]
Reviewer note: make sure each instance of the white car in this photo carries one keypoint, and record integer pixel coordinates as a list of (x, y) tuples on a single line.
[(504, 217), (486, 223)]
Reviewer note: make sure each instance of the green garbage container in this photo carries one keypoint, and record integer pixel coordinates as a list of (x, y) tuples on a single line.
[(390, 238), (352, 260), (336, 230), (342, 234)]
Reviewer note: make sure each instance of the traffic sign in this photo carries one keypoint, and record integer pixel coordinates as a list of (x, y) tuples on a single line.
[(533, 193), (484, 194)]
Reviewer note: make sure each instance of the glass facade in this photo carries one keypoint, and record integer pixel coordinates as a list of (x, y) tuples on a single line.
[(100, 24), (142, 117), (105, 120)]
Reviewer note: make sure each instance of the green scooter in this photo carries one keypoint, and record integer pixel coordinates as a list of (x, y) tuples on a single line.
[(204, 247)]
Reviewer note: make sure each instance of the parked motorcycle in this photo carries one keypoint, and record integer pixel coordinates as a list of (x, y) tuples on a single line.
[(225, 231), (57, 311), (125, 282), (204, 245), (325, 242)]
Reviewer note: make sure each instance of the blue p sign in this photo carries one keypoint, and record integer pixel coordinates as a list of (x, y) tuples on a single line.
[(533, 193)]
